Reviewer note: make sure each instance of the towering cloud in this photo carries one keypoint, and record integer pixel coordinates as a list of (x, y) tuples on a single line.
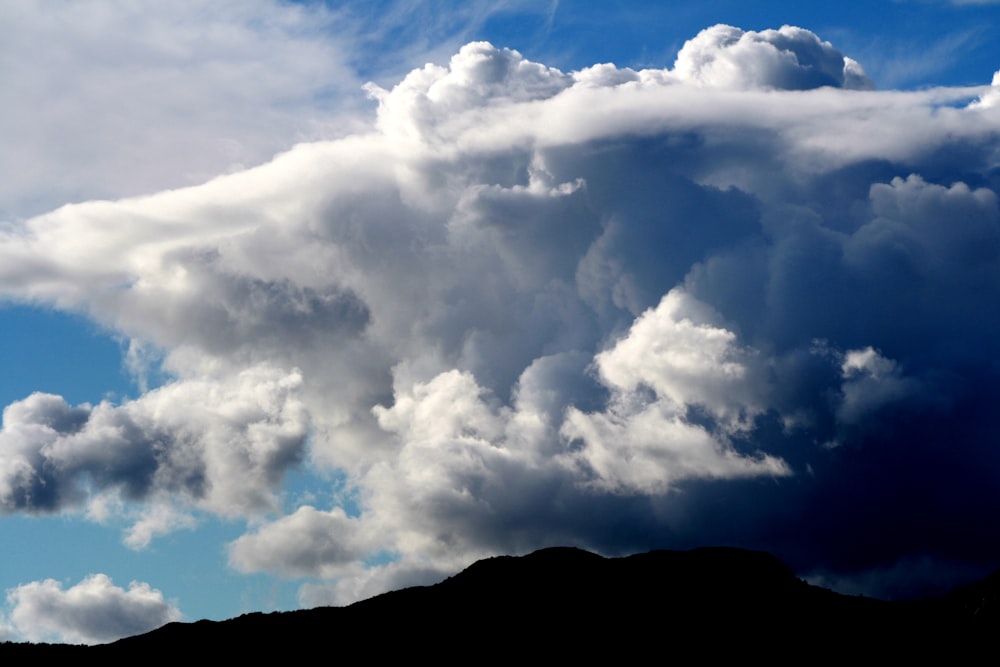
[(744, 300)]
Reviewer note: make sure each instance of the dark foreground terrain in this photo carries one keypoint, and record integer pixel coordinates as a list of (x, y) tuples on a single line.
[(566, 603)]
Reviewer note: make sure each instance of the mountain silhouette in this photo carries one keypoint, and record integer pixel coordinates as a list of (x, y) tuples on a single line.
[(566, 603)]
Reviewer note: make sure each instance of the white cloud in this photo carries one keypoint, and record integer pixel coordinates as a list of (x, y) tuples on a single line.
[(991, 98), (94, 611), (680, 352), (787, 59), (158, 519), (479, 75), (673, 361)]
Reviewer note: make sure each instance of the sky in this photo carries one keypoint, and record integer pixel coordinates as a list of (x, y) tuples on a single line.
[(301, 302)]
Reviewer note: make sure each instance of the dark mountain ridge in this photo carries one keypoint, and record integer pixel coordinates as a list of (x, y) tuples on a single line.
[(566, 602)]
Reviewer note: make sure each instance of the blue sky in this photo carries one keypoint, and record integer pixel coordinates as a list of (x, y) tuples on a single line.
[(735, 285)]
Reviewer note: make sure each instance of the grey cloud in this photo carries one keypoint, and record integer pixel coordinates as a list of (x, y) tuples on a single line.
[(93, 611), (221, 310), (307, 542), (653, 221)]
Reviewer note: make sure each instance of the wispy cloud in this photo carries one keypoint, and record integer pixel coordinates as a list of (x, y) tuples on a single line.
[(206, 88), (899, 63)]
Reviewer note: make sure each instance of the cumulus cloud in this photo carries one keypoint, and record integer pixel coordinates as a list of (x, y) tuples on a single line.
[(678, 350), (787, 59), (672, 363), (307, 542), (477, 76), (612, 308), (221, 446), (94, 611), (460, 453)]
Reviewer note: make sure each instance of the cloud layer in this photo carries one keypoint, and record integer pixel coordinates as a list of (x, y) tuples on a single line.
[(743, 300)]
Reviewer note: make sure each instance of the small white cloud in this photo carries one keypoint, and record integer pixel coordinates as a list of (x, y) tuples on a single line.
[(158, 519), (94, 611)]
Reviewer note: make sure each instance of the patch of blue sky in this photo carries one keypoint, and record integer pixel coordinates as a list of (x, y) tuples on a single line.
[(306, 485), (901, 44), (383, 557), (46, 350), (188, 566)]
